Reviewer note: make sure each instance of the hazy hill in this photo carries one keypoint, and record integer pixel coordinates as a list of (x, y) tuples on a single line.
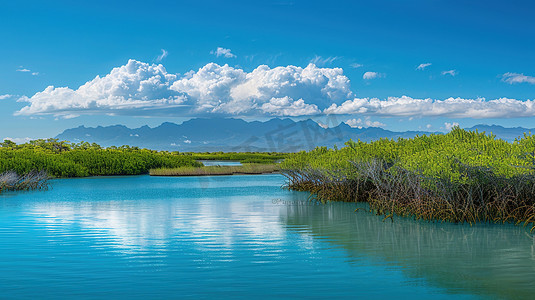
[(225, 134)]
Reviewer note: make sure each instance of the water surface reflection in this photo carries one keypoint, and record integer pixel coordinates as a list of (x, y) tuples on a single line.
[(239, 236), (496, 260)]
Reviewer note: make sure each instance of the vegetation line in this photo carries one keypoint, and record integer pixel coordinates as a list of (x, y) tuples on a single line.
[(243, 157), (245, 169), (64, 159), (461, 176)]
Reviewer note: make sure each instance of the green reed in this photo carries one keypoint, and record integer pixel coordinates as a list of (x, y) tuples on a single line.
[(217, 170)]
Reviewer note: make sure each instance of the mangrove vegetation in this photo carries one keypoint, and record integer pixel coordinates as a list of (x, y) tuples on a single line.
[(461, 176), (63, 159)]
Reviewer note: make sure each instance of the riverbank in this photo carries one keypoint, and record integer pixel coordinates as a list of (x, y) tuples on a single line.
[(460, 177), (245, 169)]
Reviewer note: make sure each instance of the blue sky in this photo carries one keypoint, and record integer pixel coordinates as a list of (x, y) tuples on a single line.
[(363, 53)]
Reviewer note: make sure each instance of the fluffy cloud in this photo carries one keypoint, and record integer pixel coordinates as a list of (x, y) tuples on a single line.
[(285, 106), (135, 85), (372, 75), (210, 86), (513, 78), (359, 123), (229, 90), (144, 89), (222, 52), (450, 72), (451, 107), (6, 96), (423, 66)]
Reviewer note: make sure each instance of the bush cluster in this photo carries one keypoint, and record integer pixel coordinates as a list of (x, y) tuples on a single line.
[(63, 159)]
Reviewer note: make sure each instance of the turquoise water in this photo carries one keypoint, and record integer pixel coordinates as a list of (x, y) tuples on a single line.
[(242, 236), (220, 163)]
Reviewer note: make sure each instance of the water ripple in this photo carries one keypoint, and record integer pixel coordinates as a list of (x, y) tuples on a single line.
[(241, 237)]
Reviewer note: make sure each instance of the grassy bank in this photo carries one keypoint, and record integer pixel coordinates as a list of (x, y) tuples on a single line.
[(217, 170), (11, 181), (458, 177), (243, 157)]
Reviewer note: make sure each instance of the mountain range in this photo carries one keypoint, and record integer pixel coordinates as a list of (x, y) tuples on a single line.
[(228, 134)]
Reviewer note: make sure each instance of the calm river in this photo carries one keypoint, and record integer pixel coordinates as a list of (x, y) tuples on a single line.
[(242, 237)]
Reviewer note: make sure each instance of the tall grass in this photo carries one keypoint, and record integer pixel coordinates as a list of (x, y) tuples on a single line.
[(216, 170), (477, 178), (34, 180), (243, 157)]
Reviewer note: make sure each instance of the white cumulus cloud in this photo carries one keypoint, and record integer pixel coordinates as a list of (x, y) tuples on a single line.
[(147, 89), (210, 86), (423, 66), (229, 90), (6, 96), (220, 51), (136, 85), (451, 107), (143, 89), (286, 106), (513, 78)]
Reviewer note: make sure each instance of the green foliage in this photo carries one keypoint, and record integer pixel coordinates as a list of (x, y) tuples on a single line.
[(61, 159), (432, 156), (243, 157), (459, 176)]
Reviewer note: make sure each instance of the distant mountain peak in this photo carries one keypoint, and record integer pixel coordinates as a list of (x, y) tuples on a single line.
[(234, 134)]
